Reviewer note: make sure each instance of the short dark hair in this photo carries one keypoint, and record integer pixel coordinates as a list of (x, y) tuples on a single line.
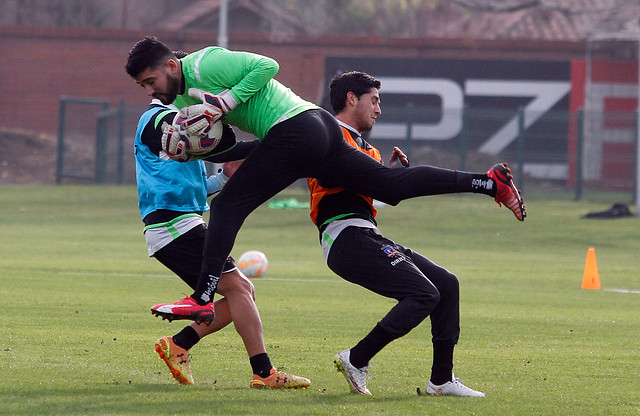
[(147, 53), (355, 81), (180, 54)]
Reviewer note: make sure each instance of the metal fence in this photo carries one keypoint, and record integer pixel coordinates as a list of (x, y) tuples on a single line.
[(559, 153), (570, 154), (95, 142)]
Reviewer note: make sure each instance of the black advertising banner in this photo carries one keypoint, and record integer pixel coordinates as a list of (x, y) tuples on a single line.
[(485, 103)]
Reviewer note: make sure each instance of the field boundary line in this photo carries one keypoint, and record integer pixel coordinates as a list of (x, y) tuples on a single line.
[(174, 276), (636, 292)]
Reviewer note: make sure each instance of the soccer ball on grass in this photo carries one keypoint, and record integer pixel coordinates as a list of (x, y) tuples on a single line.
[(253, 263)]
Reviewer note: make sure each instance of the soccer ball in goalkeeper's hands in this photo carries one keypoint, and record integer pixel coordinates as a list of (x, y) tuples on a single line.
[(199, 128)]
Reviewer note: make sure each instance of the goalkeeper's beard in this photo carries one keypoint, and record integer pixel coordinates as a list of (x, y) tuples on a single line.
[(173, 86)]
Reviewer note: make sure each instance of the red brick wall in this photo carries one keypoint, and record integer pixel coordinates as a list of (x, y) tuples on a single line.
[(42, 65)]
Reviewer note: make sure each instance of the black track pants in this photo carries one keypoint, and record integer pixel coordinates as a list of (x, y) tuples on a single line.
[(364, 257), (307, 145)]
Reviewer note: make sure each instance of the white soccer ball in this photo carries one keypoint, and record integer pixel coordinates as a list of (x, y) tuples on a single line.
[(193, 124), (253, 264)]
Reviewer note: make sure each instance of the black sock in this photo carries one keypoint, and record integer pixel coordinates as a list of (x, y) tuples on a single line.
[(478, 183), (186, 338), (205, 289), (442, 367), (369, 346), (261, 364), (199, 300)]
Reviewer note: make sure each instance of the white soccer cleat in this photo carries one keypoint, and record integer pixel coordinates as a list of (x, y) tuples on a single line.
[(452, 388), (356, 377)]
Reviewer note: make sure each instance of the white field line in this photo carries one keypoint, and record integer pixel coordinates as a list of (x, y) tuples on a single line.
[(171, 275), (637, 292), (276, 279)]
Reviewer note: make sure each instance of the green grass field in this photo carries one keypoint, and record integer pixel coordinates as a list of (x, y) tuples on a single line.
[(77, 336)]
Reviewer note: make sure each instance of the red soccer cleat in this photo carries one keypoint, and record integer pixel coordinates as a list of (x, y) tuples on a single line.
[(186, 308), (506, 191)]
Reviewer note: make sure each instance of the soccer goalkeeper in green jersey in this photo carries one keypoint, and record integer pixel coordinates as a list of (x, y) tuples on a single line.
[(298, 140)]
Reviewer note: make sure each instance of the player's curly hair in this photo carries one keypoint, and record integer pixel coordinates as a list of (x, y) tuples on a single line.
[(355, 81), (147, 53)]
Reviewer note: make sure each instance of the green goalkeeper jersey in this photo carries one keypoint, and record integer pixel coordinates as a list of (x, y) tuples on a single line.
[(262, 101)]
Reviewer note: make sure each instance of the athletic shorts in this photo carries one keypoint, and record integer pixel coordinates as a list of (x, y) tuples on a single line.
[(183, 256)]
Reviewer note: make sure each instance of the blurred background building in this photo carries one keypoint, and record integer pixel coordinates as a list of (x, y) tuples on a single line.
[(549, 85)]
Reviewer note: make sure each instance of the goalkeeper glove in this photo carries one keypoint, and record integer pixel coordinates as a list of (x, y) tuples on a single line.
[(196, 120), (174, 146), (222, 103)]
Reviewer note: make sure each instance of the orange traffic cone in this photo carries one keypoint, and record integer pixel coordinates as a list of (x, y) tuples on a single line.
[(591, 278)]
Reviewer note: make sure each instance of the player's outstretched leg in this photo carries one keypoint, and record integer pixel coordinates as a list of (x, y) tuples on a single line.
[(356, 377), (506, 192), (177, 359), (279, 380), (452, 388), (186, 308)]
